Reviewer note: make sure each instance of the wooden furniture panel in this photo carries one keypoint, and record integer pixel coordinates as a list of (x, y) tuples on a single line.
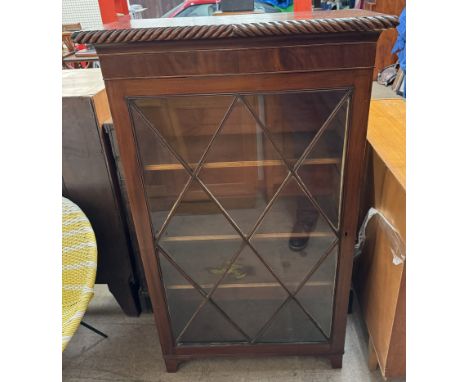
[(226, 139), (387, 135), (225, 60), (89, 180), (379, 282)]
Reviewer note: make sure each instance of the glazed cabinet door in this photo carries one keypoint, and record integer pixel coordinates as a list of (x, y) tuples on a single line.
[(244, 193)]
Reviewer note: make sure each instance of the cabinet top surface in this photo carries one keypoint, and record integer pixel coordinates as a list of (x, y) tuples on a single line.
[(238, 26), (82, 83), (387, 134)]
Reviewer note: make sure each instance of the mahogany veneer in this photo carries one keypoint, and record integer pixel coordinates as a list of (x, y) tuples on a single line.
[(242, 140)]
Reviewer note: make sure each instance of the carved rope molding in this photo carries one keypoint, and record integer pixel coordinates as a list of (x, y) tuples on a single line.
[(271, 28)]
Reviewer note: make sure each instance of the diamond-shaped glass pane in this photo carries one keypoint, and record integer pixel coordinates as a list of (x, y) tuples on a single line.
[(199, 238), (205, 261), (210, 326), (249, 294), (317, 294), (294, 118), (321, 171), (164, 177), (292, 236), (182, 298), (187, 123), (242, 169), (291, 324)]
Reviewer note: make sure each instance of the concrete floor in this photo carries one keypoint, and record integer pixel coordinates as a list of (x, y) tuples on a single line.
[(132, 353), (383, 92)]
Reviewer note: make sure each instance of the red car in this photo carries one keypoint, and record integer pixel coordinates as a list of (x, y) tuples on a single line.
[(193, 8)]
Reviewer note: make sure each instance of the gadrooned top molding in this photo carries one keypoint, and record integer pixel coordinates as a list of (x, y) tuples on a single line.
[(220, 27)]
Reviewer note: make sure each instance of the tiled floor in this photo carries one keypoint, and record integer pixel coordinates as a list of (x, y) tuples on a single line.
[(132, 353)]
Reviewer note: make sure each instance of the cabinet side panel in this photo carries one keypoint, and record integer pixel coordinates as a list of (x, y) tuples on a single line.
[(380, 283), (87, 180), (134, 182), (350, 209)]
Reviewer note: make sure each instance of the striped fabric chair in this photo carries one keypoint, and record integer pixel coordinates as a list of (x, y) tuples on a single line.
[(79, 263)]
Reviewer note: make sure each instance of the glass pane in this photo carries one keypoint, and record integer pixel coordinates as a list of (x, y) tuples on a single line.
[(164, 177), (316, 296), (204, 261), (199, 238), (249, 294), (322, 169), (182, 298), (292, 325), (294, 118), (259, 140), (186, 123), (242, 169), (210, 326), (292, 236)]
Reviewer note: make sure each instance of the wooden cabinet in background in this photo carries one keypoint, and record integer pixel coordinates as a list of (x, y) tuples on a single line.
[(89, 179), (380, 282)]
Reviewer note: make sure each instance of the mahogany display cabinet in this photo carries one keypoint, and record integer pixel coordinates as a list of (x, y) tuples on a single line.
[(242, 140)]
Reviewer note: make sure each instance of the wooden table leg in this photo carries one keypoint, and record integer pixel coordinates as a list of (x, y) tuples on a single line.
[(171, 364), (336, 361)]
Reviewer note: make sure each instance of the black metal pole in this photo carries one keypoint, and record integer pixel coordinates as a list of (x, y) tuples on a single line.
[(93, 329)]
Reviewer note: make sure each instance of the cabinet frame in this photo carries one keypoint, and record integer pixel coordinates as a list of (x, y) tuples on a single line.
[(304, 62)]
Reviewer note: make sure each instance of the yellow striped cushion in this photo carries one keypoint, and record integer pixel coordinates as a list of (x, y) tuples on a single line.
[(79, 263)]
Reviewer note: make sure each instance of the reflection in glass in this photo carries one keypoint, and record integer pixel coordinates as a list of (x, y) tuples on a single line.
[(182, 298), (316, 296), (242, 169), (294, 118), (291, 324), (210, 326), (161, 187), (292, 236), (186, 123), (252, 214), (249, 310), (324, 182)]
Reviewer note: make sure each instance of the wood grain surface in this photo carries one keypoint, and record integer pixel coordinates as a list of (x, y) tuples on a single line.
[(387, 134), (379, 282), (161, 70)]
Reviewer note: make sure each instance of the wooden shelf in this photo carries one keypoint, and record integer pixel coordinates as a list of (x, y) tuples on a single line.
[(279, 235), (246, 285), (239, 164)]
